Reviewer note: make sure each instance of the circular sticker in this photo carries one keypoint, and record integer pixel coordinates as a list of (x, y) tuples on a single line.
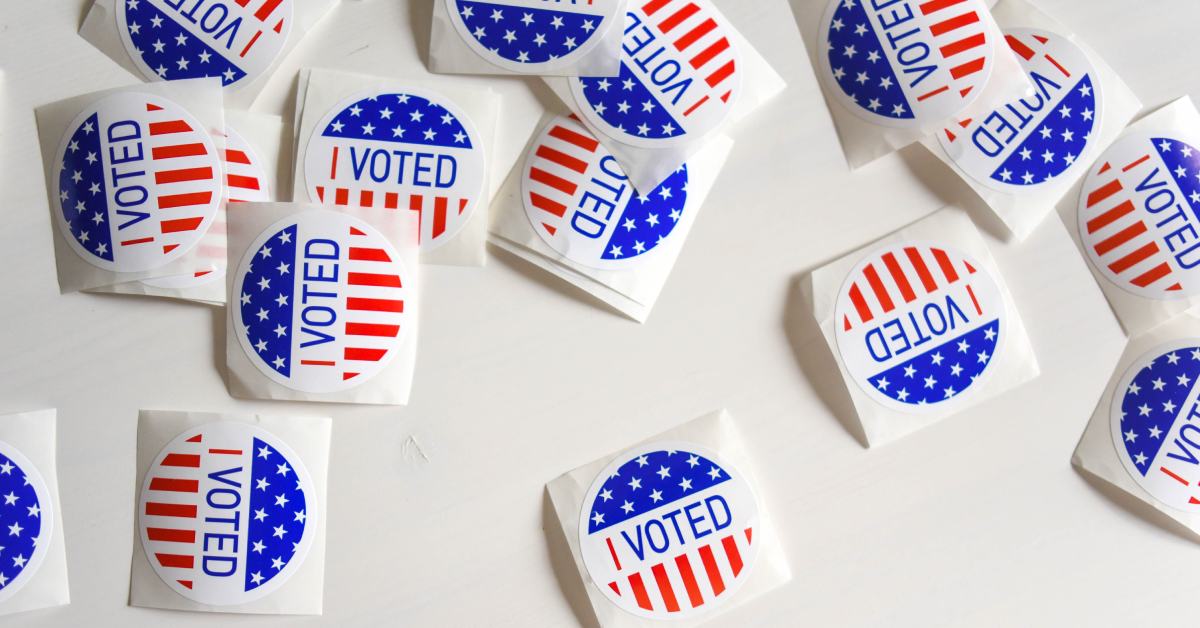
[(901, 63), (139, 182), (1036, 139), (184, 39), (582, 204), (918, 325), (414, 151), (227, 513), (532, 35), (1155, 420), (26, 521), (680, 76), (1138, 215), (246, 181), (667, 530), (321, 302)]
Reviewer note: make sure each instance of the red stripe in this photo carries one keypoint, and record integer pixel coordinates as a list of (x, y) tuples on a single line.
[(554, 181), (652, 7), (363, 355), (333, 164), (1120, 237), (1134, 258), (720, 75), (226, 452), (974, 301), (361, 254), (242, 181), (944, 88), (137, 241), (709, 53), (689, 580), (372, 329), (695, 106), (679, 17), (956, 22), (439, 216), (967, 68), (179, 561), (318, 362), (962, 45), (694, 35), (914, 257), (1173, 475), (1019, 47), (171, 201), (174, 485), (937, 5), (341, 196), (881, 293), (366, 198), (545, 204), (236, 156), (1108, 189), (374, 305), (373, 279), (860, 304), (266, 9), (177, 150), (562, 159), (897, 273), (171, 535), (172, 126), (1152, 275), (664, 587), (391, 200), (156, 509), (1058, 65), (613, 552), (183, 174), (1135, 164), (639, 591), (182, 460), (731, 551), (946, 266), (181, 224), (578, 139), (1110, 216), (710, 568)]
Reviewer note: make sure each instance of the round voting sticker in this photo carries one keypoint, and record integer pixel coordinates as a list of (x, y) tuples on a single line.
[(1138, 215), (580, 202), (234, 40), (904, 63), (26, 521), (1034, 140), (919, 325), (532, 35), (405, 151), (1155, 420), (680, 76), (668, 531), (246, 181), (139, 182), (321, 302), (227, 513)]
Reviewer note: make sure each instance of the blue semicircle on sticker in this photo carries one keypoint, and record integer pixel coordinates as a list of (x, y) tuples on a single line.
[(527, 35), (266, 300), (943, 372), (1183, 162), (399, 118), (82, 192), (649, 482), (20, 516), (625, 104), (1154, 401), (859, 66), (278, 515), (1046, 152), (649, 218), (172, 52)]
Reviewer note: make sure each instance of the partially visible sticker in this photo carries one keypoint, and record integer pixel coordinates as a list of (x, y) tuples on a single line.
[(321, 302), (918, 326), (1154, 415), (582, 204), (1038, 139), (26, 521), (532, 35), (411, 151), (1138, 215), (183, 39), (227, 513), (680, 76), (669, 530), (246, 181), (904, 63), (139, 182)]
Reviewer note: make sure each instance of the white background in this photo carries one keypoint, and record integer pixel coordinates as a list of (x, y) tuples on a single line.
[(437, 509)]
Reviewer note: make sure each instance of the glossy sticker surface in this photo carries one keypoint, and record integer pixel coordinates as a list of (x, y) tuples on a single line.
[(26, 521), (532, 35)]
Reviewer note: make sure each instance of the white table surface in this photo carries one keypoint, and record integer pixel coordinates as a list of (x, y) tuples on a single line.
[(436, 509)]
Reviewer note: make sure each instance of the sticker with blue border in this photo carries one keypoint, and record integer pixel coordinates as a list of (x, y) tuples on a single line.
[(321, 302), (681, 74), (234, 40), (26, 521), (409, 151), (919, 326), (1155, 421), (139, 182), (669, 530), (1034, 140), (1138, 215), (227, 513), (905, 63), (532, 35), (582, 204)]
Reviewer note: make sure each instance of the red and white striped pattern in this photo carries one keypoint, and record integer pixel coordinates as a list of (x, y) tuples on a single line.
[(958, 31), (693, 30), (898, 277), (264, 11), (557, 169), (1120, 237), (687, 580)]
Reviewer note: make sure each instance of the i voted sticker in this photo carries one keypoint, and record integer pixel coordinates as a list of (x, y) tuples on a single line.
[(246, 181), (1155, 418), (234, 40), (582, 204), (404, 151), (680, 76), (26, 521), (227, 513), (919, 325), (532, 35), (1138, 215), (321, 302), (1037, 139), (668, 531), (904, 63), (139, 182)]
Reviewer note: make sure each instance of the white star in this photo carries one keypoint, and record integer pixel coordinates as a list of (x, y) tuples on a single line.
[(278, 533), (685, 484), (1141, 459), (277, 563), (256, 577), (10, 499), (260, 514), (883, 383), (259, 546), (1155, 432), (15, 529), (635, 484)]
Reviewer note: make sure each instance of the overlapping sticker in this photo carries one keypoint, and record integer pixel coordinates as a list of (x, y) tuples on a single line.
[(235, 40), (582, 204), (1138, 215), (532, 35), (919, 325), (246, 181), (139, 182), (26, 521), (321, 302), (403, 151), (680, 76), (904, 63), (227, 513), (1035, 139), (1155, 418), (668, 531)]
